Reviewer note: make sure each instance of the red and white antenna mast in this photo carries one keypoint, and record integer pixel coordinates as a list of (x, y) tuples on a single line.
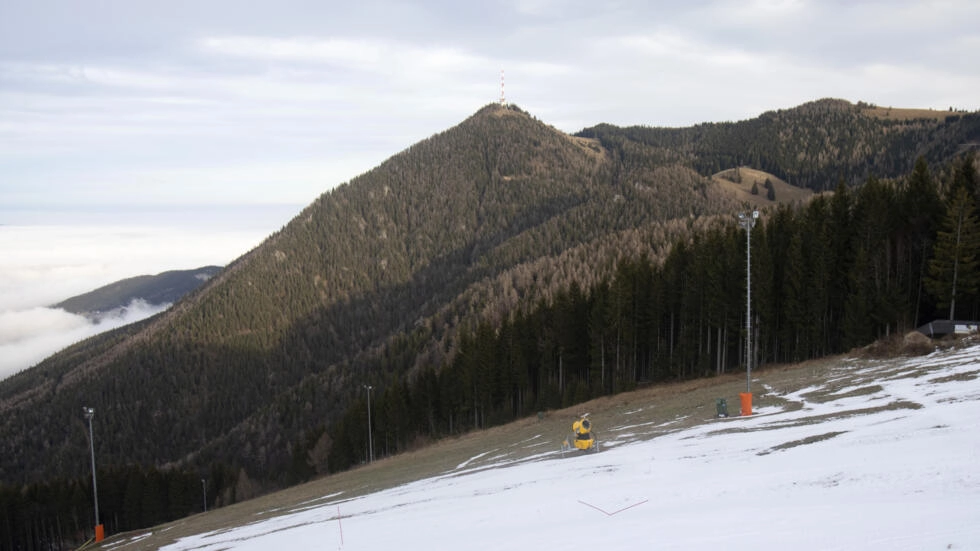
[(503, 100)]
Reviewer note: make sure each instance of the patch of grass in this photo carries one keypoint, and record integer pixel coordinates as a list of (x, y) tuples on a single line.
[(802, 442), (823, 418), (785, 192), (830, 394), (899, 346), (900, 114), (968, 376)]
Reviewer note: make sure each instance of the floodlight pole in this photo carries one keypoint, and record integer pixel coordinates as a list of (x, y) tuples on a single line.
[(370, 440), (748, 222), (204, 487), (89, 414)]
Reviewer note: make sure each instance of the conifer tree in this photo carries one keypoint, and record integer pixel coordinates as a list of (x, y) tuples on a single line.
[(921, 209), (856, 325), (966, 176), (953, 268)]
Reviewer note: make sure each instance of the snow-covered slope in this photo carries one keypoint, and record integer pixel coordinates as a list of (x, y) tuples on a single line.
[(880, 455)]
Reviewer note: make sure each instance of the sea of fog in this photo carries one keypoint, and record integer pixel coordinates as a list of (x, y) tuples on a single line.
[(51, 255)]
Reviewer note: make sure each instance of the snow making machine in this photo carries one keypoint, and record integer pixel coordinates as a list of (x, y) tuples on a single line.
[(582, 437)]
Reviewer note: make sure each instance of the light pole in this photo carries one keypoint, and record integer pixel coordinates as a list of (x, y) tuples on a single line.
[(747, 221), (99, 530), (370, 440), (204, 487)]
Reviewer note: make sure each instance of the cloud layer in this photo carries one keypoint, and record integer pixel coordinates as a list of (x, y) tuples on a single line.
[(31, 335), (279, 101), (45, 264)]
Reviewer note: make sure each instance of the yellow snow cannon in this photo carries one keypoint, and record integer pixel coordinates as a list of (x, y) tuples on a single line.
[(582, 437)]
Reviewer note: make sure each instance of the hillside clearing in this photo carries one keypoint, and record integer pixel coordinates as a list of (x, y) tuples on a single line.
[(906, 114), (740, 184)]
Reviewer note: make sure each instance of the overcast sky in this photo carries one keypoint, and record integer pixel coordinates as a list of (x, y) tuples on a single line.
[(139, 136), (123, 102)]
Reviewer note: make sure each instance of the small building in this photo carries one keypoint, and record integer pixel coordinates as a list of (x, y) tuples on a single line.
[(938, 329)]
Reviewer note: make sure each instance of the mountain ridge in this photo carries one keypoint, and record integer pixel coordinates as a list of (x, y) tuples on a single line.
[(815, 145)]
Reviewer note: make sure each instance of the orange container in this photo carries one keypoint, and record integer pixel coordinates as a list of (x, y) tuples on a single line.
[(99, 533), (746, 402)]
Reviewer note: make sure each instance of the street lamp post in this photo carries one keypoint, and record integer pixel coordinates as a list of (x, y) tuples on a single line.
[(747, 221), (99, 529), (370, 440), (204, 488)]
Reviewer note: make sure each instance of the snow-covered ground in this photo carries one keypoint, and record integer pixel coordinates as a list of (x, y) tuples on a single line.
[(883, 455)]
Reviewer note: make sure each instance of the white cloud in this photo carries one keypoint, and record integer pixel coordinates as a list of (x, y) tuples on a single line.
[(287, 182), (43, 265), (24, 325), (678, 49), (388, 57), (31, 335), (756, 13), (355, 53), (166, 105), (126, 133)]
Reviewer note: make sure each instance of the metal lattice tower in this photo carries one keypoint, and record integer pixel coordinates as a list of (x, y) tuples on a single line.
[(503, 100)]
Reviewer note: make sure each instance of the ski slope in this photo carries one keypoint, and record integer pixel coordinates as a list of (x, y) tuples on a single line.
[(880, 455)]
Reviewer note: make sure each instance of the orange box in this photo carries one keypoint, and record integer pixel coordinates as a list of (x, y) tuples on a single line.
[(746, 402)]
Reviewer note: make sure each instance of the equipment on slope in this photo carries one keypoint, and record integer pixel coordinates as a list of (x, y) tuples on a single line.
[(581, 437)]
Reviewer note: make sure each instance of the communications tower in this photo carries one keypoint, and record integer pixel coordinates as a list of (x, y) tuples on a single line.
[(503, 99)]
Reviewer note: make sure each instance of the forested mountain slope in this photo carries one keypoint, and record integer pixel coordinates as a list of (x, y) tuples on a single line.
[(476, 230), (815, 145), (281, 339)]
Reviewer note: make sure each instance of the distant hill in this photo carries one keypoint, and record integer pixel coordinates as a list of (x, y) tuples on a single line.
[(164, 288), (814, 146), (379, 281)]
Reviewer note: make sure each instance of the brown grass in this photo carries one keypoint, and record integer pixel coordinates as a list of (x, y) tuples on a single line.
[(955, 378), (910, 344), (590, 145), (898, 114), (785, 193), (802, 442)]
